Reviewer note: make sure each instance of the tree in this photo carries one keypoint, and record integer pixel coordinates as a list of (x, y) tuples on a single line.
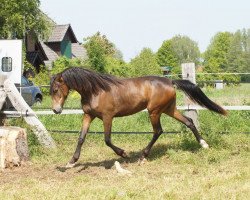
[(166, 55), (245, 54), (185, 49), (116, 67), (178, 50), (98, 48), (96, 54), (246, 50), (224, 54), (17, 17), (235, 58), (216, 55), (63, 63), (145, 64)]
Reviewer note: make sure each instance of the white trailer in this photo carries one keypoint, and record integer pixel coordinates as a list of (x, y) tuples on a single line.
[(11, 63)]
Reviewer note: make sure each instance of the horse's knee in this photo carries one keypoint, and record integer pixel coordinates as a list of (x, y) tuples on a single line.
[(80, 141)]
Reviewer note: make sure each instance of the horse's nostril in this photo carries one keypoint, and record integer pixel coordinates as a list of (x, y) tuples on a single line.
[(54, 111), (57, 111)]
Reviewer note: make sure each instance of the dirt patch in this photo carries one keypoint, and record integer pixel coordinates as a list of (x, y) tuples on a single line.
[(56, 172)]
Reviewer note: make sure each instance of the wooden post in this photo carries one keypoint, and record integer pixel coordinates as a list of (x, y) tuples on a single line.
[(8, 89), (188, 73), (20, 105), (2, 99)]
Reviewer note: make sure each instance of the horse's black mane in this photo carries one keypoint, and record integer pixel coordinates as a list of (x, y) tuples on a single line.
[(85, 81)]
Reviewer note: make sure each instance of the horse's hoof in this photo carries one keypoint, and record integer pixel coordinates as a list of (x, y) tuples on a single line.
[(70, 165), (204, 144), (142, 161)]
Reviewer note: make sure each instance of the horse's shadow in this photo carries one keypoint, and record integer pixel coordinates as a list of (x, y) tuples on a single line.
[(157, 151)]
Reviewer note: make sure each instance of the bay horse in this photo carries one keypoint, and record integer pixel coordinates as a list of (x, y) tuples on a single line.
[(105, 97)]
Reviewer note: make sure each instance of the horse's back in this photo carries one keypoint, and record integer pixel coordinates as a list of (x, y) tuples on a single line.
[(133, 95), (161, 93), (148, 86), (149, 92)]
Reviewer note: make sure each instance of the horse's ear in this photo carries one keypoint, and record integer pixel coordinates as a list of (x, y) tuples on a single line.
[(60, 79), (57, 78)]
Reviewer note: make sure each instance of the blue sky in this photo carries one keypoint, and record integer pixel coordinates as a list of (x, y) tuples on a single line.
[(134, 24)]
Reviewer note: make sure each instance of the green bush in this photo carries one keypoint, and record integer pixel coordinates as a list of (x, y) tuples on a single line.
[(209, 79), (62, 63), (42, 79)]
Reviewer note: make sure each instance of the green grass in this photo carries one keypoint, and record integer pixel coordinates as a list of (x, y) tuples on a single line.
[(230, 95), (177, 167), (174, 171)]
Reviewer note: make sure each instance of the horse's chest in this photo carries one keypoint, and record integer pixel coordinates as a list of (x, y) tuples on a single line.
[(86, 108)]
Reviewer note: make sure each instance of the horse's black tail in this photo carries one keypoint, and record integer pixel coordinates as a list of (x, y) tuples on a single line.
[(196, 95)]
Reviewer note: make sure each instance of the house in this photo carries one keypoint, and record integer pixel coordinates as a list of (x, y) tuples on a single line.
[(61, 42)]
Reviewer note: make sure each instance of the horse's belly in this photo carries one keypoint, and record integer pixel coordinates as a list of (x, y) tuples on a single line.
[(130, 109)]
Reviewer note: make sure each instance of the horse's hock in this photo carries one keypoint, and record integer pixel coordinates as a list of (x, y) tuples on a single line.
[(13, 146)]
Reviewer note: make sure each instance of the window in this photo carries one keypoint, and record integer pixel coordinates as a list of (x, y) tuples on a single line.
[(6, 64), (24, 81), (66, 48)]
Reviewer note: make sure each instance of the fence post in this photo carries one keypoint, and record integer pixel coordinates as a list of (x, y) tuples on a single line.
[(188, 73)]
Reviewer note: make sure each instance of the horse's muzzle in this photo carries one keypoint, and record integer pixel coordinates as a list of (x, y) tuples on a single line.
[(57, 110)]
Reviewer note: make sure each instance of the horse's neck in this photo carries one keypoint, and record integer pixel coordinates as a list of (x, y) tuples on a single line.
[(85, 96)]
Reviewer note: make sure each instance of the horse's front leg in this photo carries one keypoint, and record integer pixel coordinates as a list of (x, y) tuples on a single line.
[(87, 119), (107, 123)]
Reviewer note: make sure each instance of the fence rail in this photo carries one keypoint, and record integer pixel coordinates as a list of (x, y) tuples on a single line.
[(80, 111)]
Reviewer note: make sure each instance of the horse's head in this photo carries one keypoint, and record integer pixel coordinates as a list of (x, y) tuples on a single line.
[(59, 92)]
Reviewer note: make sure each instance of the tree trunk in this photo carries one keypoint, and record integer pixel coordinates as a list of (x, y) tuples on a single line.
[(13, 146)]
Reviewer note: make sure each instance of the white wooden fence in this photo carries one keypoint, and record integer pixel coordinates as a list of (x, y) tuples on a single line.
[(80, 111)]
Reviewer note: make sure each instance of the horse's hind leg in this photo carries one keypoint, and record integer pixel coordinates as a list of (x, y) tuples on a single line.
[(107, 122), (87, 119), (155, 121), (189, 123)]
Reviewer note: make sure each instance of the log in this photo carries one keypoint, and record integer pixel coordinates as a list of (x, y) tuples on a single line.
[(13, 146)]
